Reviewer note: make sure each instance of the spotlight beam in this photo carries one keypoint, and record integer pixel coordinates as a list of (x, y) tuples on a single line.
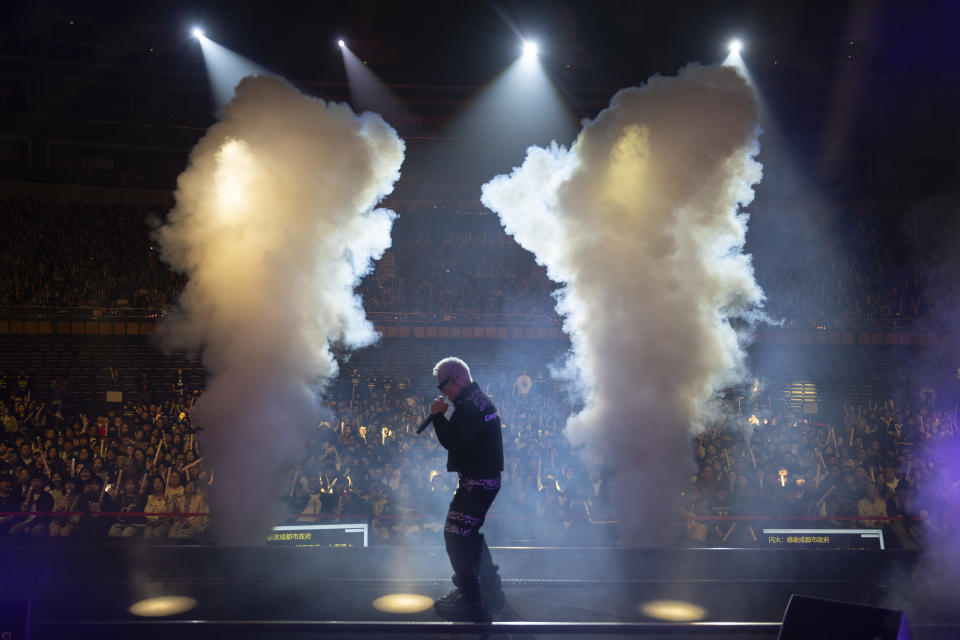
[(734, 59), (225, 68)]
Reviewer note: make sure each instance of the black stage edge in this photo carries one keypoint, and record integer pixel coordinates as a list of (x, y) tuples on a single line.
[(283, 592)]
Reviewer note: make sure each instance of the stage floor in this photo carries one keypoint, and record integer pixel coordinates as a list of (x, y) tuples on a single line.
[(275, 592)]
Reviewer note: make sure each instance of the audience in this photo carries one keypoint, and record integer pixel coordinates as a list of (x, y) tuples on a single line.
[(854, 261), (82, 254), (367, 463), (862, 474)]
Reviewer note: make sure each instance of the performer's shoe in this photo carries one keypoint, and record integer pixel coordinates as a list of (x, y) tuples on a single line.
[(456, 607), (492, 594), (491, 591), (449, 600)]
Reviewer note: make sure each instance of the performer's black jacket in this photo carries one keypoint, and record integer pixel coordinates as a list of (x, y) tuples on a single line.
[(472, 435)]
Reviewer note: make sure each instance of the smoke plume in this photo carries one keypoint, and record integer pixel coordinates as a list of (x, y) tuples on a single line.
[(274, 225), (926, 587), (640, 222)]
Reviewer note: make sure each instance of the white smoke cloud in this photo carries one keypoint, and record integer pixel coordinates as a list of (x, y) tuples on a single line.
[(639, 220), (274, 225)]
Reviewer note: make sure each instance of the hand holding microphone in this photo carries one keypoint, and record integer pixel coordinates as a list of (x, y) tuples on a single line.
[(439, 407)]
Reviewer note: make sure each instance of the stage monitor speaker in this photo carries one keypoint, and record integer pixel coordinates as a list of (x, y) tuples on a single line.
[(809, 618)]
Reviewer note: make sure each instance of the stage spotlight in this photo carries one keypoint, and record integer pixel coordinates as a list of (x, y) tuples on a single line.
[(530, 49), (403, 603), (197, 32), (162, 606), (735, 47), (341, 44), (673, 610)]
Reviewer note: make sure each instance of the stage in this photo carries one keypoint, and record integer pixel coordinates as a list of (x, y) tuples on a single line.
[(279, 592)]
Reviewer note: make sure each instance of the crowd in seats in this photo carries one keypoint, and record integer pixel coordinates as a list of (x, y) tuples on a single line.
[(876, 260), (866, 263), (854, 475), (140, 459), (366, 459), (465, 273), (82, 254), (366, 462)]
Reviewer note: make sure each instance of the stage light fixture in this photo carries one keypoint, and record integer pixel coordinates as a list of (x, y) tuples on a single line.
[(735, 46), (197, 32), (341, 44), (530, 49)]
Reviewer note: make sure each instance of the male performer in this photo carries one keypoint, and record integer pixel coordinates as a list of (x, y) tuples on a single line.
[(474, 447)]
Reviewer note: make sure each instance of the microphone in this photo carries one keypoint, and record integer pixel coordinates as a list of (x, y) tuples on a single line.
[(425, 423)]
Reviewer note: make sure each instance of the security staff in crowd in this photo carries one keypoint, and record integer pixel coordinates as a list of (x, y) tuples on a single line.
[(474, 445)]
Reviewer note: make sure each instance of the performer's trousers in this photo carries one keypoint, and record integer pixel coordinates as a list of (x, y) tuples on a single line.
[(468, 552)]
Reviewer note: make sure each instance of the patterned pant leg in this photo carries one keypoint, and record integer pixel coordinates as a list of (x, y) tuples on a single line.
[(464, 544)]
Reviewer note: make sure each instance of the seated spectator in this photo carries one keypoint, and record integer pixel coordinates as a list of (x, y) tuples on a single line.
[(35, 500), (66, 501), (92, 526), (157, 526), (314, 504), (9, 503), (873, 508), (173, 489), (128, 499), (192, 502)]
